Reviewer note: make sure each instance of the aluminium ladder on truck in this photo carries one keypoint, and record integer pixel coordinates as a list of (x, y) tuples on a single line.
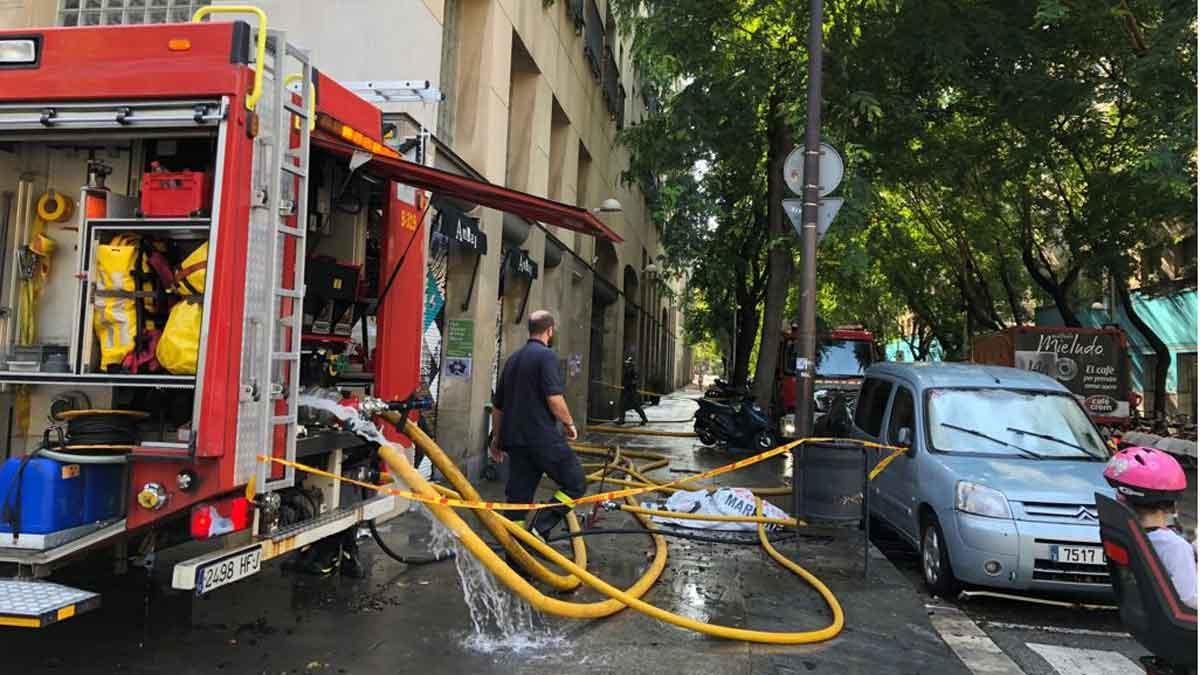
[(286, 198), (275, 291)]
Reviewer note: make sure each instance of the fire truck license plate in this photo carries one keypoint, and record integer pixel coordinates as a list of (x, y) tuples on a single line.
[(228, 570), (1084, 555)]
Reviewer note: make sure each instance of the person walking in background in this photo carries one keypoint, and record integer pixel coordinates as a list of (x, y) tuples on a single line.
[(527, 408), (631, 398)]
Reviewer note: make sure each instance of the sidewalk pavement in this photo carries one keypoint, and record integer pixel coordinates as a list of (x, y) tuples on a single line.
[(414, 619)]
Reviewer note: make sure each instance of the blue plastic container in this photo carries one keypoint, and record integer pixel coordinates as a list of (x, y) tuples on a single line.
[(58, 496), (103, 493), (51, 496)]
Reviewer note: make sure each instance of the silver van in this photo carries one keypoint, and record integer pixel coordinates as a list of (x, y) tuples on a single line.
[(996, 488)]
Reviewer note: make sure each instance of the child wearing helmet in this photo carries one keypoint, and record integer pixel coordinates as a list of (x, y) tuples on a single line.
[(1151, 481)]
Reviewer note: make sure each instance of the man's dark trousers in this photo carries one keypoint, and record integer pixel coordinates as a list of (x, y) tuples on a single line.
[(526, 464)]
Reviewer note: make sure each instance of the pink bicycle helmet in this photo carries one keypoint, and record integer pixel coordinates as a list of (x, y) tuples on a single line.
[(1145, 476)]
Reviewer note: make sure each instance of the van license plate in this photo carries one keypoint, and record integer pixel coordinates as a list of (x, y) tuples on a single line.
[(228, 570), (1083, 555)]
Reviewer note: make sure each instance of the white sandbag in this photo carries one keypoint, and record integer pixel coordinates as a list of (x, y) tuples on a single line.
[(722, 502)]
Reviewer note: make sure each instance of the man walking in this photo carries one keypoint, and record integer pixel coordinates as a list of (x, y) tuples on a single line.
[(527, 409), (631, 398)]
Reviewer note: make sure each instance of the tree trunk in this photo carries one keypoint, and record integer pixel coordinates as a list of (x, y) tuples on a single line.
[(1010, 291), (1030, 256), (779, 255), (1162, 355), (747, 324)]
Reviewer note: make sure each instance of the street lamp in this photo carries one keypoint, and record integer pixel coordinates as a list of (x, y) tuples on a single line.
[(609, 205)]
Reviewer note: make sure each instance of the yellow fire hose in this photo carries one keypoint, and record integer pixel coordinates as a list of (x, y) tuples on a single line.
[(660, 460), (574, 610), (640, 480), (488, 519), (603, 450), (578, 547), (399, 466)]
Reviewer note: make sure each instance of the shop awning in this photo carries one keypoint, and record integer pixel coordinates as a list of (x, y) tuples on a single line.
[(463, 230), (475, 191)]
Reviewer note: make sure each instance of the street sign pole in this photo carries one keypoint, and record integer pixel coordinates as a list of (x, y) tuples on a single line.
[(808, 246)]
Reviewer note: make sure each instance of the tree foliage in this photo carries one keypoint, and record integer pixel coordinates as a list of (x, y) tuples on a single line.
[(1002, 155)]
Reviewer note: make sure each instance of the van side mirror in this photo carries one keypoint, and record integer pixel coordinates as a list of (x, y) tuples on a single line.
[(904, 437)]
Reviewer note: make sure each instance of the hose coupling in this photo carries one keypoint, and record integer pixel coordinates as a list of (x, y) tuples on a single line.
[(371, 407)]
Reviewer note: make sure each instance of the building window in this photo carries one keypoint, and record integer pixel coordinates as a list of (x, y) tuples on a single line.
[(611, 82), (593, 38), (117, 12), (575, 13)]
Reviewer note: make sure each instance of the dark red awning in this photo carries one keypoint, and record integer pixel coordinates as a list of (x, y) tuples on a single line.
[(478, 192)]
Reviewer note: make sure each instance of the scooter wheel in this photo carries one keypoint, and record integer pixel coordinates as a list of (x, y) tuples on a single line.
[(490, 473), (706, 438)]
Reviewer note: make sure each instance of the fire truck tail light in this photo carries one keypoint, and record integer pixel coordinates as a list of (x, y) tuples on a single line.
[(179, 45), (18, 52), (214, 519)]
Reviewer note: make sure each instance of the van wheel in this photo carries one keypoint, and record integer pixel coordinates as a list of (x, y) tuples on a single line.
[(935, 561)]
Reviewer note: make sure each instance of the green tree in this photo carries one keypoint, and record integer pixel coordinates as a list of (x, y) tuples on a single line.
[(1044, 136), (732, 68)]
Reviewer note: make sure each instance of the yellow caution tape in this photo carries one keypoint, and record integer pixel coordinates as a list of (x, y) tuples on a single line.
[(589, 499), (643, 392), (883, 463)]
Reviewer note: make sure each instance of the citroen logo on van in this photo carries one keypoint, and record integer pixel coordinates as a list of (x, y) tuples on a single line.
[(1085, 514)]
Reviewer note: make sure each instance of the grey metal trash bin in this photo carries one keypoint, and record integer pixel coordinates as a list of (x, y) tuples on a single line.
[(832, 478)]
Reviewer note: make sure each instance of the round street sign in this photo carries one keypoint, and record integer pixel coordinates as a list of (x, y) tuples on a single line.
[(831, 167)]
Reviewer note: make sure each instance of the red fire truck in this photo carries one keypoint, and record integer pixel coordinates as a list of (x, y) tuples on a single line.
[(843, 354), (194, 215)]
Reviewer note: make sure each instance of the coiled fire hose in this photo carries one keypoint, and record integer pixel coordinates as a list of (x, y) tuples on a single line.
[(660, 460), (399, 466)]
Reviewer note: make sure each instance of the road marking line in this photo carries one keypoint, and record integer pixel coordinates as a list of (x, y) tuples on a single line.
[(1004, 625), (973, 646), (1072, 661)]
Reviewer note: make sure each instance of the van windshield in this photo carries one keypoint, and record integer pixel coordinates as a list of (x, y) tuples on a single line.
[(1028, 424)]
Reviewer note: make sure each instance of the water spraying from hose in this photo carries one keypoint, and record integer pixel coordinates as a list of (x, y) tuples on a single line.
[(500, 620)]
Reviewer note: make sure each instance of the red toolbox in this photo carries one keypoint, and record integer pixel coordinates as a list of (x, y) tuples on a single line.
[(176, 194)]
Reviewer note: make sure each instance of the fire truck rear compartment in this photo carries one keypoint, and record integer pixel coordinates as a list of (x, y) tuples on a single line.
[(60, 164), (50, 171), (89, 183)]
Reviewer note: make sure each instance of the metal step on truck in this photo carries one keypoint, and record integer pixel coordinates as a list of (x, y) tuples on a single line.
[(197, 224)]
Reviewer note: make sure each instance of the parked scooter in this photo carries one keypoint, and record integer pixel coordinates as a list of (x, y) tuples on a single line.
[(723, 390), (741, 423)]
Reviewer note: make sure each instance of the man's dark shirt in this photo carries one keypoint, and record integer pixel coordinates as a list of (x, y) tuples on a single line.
[(629, 378), (530, 376)]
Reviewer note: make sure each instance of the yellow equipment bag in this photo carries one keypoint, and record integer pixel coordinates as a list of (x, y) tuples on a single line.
[(115, 315), (179, 347)]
